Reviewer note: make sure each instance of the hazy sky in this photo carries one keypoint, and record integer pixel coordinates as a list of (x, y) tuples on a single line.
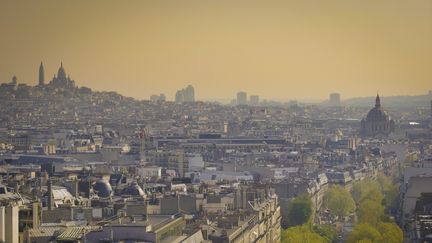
[(298, 49)]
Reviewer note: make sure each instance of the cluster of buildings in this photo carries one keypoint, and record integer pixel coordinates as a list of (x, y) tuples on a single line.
[(243, 100), (185, 95), (84, 166)]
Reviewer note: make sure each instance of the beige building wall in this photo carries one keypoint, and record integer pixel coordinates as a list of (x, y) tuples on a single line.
[(11, 224), (2, 224)]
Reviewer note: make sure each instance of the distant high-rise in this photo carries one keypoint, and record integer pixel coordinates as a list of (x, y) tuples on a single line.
[(189, 94), (179, 96), (185, 95), (334, 99), (157, 98), (254, 99), (241, 98), (431, 108), (41, 75)]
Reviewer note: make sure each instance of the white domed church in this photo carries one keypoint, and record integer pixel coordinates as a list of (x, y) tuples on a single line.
[(61, 80)]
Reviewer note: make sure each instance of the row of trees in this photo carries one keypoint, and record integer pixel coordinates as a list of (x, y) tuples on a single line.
[(300, 228), (374, 199), (310, 234), (370, 200)]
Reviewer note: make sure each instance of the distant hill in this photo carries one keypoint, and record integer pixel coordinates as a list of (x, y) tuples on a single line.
[(391, 101)]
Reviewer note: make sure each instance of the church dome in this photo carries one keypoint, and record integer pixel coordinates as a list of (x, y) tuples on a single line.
[(134, 190), (377, 114), (61, 74), (377, 122), (102, 188)]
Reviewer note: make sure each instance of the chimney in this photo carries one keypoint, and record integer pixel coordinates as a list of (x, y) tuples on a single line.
[(50, 195), (205, 233), (36, 214), (75, 187)]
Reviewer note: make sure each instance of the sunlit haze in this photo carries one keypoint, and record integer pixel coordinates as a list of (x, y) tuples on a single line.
[(276, 49)]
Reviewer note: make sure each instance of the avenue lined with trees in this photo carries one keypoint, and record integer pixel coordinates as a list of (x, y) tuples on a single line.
[(368, 205)]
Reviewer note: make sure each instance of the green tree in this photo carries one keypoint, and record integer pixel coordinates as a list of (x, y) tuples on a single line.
[(339, 201), (326, 231), (391, 196), (390, 233), (364, 241), (366, 189), (389, 190), (383, 233), (384, 182), (301, 234), (299, 211), (364, 233), (370, 212)]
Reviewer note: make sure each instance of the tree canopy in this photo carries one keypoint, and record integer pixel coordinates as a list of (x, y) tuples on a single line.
[(390, 232), (370, 212), (371, 197), (299, 211), (364, 233), (339, 201), (390, 191), (383, 233), (366, 189), (301, 234), (326, 231)]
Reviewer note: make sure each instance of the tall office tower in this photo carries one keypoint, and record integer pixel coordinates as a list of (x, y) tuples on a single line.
[(179, 98), (189, 94), (334, 99), (41, 75), (241, 98), (254, 99)]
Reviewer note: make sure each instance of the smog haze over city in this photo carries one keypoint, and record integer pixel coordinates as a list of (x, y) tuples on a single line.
[(216, 121), (281, 50)]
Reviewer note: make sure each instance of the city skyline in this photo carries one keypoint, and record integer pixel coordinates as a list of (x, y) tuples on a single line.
[(284, 50), (284, 121), (43, 81)]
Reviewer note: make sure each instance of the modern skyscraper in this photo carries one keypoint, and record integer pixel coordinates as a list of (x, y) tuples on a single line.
[(41, 75), (254, 100), (241, 98), (334, 99)]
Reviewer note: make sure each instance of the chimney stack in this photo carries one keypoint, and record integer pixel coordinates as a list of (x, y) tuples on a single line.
[(50, 195)]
